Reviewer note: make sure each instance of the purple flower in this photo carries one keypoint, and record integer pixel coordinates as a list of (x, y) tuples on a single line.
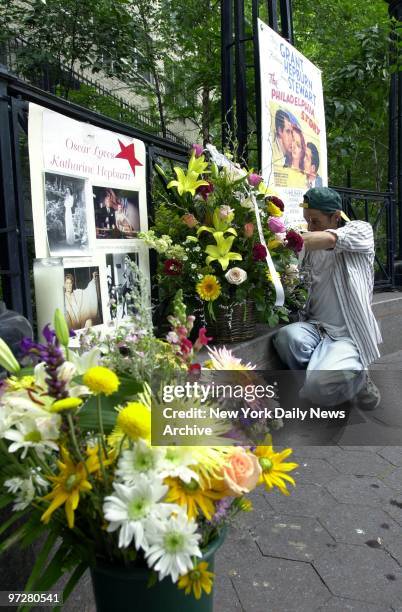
[(276, 225), (52, 355), (198, 149), (221, 510), (254, 179)]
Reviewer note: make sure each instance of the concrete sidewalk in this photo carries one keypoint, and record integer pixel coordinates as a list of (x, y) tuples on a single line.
[(334, 545)]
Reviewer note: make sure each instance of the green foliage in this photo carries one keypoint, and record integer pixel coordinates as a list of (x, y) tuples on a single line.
[(350, 46)]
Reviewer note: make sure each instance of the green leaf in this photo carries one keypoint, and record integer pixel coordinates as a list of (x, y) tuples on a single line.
[(41, 560), (72, 582)]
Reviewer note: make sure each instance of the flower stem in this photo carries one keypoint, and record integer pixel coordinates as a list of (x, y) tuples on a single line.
[(74, 438), (101, 437)]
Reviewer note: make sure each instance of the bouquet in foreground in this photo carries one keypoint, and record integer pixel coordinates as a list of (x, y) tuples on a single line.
[(77, 464)]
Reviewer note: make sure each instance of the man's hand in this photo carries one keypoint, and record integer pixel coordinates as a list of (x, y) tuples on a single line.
[(316, 241)]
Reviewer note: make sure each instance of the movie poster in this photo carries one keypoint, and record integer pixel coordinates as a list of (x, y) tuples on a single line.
[(294, 150), (89, 203)]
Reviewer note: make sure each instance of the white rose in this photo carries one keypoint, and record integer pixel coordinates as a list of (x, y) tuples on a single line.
[(236, 276)]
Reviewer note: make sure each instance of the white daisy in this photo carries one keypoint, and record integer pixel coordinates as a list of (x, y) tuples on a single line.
[(172, 544), (24, 491), (141, 459), (39, 434), (175, 463), (132, 508)]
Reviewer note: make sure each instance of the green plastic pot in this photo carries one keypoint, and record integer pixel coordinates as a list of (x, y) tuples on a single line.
[(124, 589)]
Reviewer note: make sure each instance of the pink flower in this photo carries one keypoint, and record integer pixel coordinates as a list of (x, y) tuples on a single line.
[(254, 179), (259, 252), (294, 241), (203, 339), (172, 337), (249, 230), (186, 346), (276, 225), (189, 220), (241, 473), (198, 149)]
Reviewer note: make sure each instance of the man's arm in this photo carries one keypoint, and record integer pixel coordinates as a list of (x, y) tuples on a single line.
[(316, 241)]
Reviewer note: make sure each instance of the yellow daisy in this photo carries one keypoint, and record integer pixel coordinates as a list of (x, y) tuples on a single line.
[(197, 580), (101, 380), (194, 496), (209, 288), (274, 469), (71, 481)]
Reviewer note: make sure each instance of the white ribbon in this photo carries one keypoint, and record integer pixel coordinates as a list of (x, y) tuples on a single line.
[(280, 294), (223, 161)]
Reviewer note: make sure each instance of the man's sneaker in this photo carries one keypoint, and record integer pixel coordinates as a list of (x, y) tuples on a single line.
[(369, 397)]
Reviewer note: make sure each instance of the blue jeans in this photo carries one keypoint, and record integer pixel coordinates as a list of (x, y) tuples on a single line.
[(334, 371)]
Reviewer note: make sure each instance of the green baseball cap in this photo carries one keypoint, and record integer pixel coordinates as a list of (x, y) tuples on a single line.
[(322, 198)]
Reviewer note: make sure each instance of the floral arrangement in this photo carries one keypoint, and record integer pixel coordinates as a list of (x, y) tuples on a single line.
[(77, 463), (206, 234)]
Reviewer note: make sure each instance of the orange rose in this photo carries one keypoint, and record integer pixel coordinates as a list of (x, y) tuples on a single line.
[(241, 473)]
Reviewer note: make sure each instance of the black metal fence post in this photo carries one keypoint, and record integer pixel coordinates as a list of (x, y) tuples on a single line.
[(9, 255), (227, 71)]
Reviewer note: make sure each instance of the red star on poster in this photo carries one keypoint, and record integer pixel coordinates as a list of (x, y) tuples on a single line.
[(128, 152)]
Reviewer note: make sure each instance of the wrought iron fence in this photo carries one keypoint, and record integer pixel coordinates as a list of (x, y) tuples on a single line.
[(58, 79), (379, 210), (16, 226)]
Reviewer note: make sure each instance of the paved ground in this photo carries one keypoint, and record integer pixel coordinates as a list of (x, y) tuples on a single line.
[(334, 545)]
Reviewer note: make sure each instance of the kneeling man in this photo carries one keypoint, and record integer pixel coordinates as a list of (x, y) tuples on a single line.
[(337, 336)]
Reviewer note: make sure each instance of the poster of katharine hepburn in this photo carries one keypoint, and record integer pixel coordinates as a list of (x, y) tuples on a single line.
[(88, 185), (294, 150), (89, 203)]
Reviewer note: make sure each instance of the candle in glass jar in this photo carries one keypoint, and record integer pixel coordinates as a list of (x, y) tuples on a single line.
[(49, 290)]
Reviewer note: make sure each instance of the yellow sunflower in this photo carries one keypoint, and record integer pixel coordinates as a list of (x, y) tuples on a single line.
[(274, 469), (197, 580), (71, 481), (193, 495), (209, 288)]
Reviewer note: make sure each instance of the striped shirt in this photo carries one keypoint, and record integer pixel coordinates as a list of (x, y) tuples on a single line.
[(353, 277)]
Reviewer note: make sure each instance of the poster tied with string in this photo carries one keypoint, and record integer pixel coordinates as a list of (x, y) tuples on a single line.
[(293, 138)]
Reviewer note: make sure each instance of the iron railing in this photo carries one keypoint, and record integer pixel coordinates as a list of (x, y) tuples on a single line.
[(16, 225), (378, 209), (54, 78)]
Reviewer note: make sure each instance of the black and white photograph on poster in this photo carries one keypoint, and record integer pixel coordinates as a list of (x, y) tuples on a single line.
[(66, 215), (116, 213), (120, 283), (82, 297)]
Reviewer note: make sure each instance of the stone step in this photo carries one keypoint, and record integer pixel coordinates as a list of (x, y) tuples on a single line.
[(387, 308)]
